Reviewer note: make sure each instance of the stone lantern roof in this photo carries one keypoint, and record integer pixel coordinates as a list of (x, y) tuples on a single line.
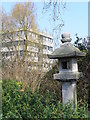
[(66, 49)]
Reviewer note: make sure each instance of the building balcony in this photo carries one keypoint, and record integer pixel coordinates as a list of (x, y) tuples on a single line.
[(32, 49), (48, 43), (45, 69), (4, 49), (12, 48), (45, 51), (32, 59)]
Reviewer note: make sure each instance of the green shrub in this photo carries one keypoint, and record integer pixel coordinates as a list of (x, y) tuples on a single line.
[(83, 84), (19, 103), (49, 84)]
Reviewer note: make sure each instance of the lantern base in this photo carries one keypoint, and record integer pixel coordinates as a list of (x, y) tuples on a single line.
[(69, 92)]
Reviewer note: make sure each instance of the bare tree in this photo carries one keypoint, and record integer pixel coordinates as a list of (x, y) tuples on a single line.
[(56, 9), (16, 28)]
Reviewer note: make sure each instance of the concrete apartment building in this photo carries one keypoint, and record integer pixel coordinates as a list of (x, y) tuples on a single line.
[(39, 45)]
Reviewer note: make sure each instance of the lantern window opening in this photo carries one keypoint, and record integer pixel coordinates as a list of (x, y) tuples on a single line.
[(65, 64)]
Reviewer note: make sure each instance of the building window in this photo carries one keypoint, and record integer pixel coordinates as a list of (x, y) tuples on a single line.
[(33, 45), (16, 42), (21, 42), (47, 39), (7, 54), (3, 54), (9, 43), (36, 36), (12, 53), (22, 32), (33, 35), (36, 54), (21, 52), (45, 47), (33, 54), (50, 48), (44, 39), (24, 42), (65, 65), (51, 40)]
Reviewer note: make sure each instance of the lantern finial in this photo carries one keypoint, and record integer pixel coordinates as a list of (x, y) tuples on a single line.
[(66, 37)]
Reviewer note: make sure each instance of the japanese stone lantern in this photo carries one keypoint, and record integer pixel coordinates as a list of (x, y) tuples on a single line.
[(67, 55)]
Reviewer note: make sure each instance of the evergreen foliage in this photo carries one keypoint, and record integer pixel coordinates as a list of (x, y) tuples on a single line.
[(19, 103)]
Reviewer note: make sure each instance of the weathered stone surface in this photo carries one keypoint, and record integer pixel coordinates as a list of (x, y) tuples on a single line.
[(66, 37), (69, 92), (72, 63), (64, 76), (66, 50)]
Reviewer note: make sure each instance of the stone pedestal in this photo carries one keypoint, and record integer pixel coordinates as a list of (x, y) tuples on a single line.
[(69, 92)]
